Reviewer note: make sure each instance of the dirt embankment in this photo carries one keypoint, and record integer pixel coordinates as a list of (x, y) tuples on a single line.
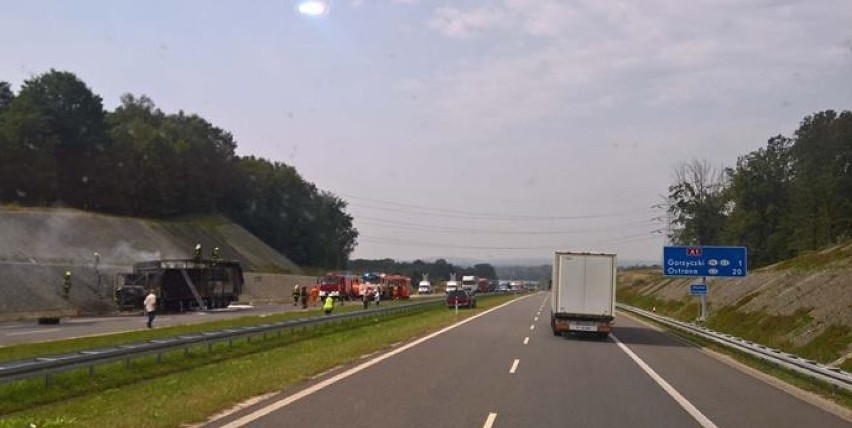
[(38, 245), (797, 304)]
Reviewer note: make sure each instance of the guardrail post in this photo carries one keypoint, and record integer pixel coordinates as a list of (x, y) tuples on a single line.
[(186, 351), (230, 343), (91, 370), (127, 363), (159, 357), (47, 380), (209, 347)]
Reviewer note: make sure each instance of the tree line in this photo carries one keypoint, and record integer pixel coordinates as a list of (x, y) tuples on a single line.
[(439, 270), (789, 197), (59, 147)]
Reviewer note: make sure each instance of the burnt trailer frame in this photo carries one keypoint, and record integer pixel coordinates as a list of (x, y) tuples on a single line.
[(182, 284)]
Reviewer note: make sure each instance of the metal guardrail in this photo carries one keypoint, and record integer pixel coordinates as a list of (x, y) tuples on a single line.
[(49, 365), (831, 375)]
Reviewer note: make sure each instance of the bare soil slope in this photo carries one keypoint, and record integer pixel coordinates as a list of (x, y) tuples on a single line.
[(38, 245)]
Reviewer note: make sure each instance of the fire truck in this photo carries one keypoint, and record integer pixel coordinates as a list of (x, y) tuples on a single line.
[(339, 285)]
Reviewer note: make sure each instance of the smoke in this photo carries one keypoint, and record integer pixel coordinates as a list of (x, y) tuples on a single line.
[(124, 253)]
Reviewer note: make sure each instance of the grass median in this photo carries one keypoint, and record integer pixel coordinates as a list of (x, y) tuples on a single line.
[(185, 389), (55, 347)]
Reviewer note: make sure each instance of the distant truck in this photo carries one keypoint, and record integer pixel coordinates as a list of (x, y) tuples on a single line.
[(583, 293), (181, 284), (468, 282)]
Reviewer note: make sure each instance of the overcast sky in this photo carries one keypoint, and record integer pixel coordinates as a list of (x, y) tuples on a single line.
[(466, 129)]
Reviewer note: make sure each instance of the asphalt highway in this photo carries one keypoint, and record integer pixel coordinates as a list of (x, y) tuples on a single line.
[(505, 368)]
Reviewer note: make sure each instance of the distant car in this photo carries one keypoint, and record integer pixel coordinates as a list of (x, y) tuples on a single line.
[(425, 287), (462, 298), (503, 289)]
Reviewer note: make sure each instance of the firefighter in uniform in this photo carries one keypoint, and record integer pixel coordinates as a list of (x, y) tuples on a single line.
[(66, 284)]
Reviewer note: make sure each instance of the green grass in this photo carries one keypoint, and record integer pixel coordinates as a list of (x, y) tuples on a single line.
[(148, 394), (817, 259), (847, 365), (680, 309), (829, 345), (29, 350), (758, 326)]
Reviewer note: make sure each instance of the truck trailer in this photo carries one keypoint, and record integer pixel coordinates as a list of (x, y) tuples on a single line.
[(182, 284), (583, 293)]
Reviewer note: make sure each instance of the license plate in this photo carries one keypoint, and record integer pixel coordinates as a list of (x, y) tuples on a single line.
[(582, 327)]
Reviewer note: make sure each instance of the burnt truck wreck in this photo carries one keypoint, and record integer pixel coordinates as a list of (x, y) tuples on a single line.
[(180, 285)]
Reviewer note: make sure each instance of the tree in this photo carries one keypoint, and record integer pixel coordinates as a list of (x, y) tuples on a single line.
[(697, 204), (760, 194), (6, 96), (73, 117), (822, 184)]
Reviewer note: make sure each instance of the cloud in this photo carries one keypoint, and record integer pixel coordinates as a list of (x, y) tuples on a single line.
[(454, 22), (586, 58)]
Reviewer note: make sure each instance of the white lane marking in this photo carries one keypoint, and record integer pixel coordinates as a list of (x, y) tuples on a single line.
[(683, 402), (21, 333), (514, 366), (314, 388), (489, 420), (532, 327), (526, 340)]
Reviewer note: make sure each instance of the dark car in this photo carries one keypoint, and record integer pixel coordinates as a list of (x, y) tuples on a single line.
[(463, 298)]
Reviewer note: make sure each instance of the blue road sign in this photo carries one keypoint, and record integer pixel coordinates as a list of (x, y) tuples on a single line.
[(698, 289), (705, 261)]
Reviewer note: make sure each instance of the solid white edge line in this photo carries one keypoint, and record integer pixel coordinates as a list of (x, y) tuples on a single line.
[(514, 366), (526, 340), (683, 402), (257, 414), (489, 421)]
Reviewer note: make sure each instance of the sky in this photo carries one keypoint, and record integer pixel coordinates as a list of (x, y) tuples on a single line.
[(469, 130)]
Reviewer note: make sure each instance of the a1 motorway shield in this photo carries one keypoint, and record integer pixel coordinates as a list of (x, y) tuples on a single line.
[(705, 261)]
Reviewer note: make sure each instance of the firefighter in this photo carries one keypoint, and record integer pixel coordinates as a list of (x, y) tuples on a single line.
[(215, 255), (328, 305), (296, 295), (304, 297), (314, 295), (66, 284), (197, 253)]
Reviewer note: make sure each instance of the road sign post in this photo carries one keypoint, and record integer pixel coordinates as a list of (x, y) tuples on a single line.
[(704, 261)]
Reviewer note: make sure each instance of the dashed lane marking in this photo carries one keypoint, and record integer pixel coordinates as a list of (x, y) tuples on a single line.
[(526, 340), (489, 421), (514, 366)]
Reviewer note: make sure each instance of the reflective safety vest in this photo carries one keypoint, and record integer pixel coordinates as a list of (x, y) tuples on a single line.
[(329, 303)]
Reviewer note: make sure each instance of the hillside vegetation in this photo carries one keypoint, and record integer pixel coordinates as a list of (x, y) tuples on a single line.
[(802, 305), (60, 148)]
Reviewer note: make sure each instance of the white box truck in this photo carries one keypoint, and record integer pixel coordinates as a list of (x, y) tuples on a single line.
[(583, 293)]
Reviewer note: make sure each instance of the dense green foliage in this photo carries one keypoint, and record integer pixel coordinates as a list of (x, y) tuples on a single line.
[(792, 196), (61, 148), (440, 270)]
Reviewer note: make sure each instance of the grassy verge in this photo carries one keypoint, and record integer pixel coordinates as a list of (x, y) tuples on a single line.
[(147, 397), (801, 381), (757, 326), (29, 350)]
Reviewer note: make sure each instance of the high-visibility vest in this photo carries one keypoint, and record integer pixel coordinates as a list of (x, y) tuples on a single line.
[(329, 303)]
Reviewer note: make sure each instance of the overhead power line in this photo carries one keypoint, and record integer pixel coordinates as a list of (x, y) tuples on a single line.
[(402, 225), (441, 212)]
